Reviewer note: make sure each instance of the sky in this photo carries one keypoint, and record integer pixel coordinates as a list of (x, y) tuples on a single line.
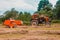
[(21, 5)]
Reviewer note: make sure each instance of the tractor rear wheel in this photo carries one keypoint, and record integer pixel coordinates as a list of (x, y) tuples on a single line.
[(34, 22)]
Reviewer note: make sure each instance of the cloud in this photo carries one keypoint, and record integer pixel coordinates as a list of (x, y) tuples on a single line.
[(23, 5), (53, 2), (18, 4), (4, 4)]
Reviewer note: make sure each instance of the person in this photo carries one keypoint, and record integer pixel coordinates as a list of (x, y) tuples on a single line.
[(11, 19), (47, 20)]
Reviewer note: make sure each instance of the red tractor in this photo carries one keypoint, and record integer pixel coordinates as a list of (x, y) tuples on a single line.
[(12, 23), (40, 19)]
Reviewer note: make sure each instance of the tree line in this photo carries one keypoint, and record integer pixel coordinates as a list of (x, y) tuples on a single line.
[(44, 7)]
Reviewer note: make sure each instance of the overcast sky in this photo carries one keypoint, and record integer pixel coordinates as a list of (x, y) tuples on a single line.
[(21, 5)]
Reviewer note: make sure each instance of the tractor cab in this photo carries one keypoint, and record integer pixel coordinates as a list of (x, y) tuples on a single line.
[(35, 16)]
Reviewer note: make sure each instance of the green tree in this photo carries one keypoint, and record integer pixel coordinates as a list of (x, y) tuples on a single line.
[(2, 18), (24, 16), (20, 16), (47, 13), (57, 9), (47, 10), (27, 16), (42, 4), (11, 13)]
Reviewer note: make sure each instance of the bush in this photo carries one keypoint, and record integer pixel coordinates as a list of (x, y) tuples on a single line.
[(56, 21), (26, 23)]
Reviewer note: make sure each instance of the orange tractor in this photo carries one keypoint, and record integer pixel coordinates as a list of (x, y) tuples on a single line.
[(12, 23)]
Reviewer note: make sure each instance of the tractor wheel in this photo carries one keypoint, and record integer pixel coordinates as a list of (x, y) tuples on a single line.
[(34, 23)]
